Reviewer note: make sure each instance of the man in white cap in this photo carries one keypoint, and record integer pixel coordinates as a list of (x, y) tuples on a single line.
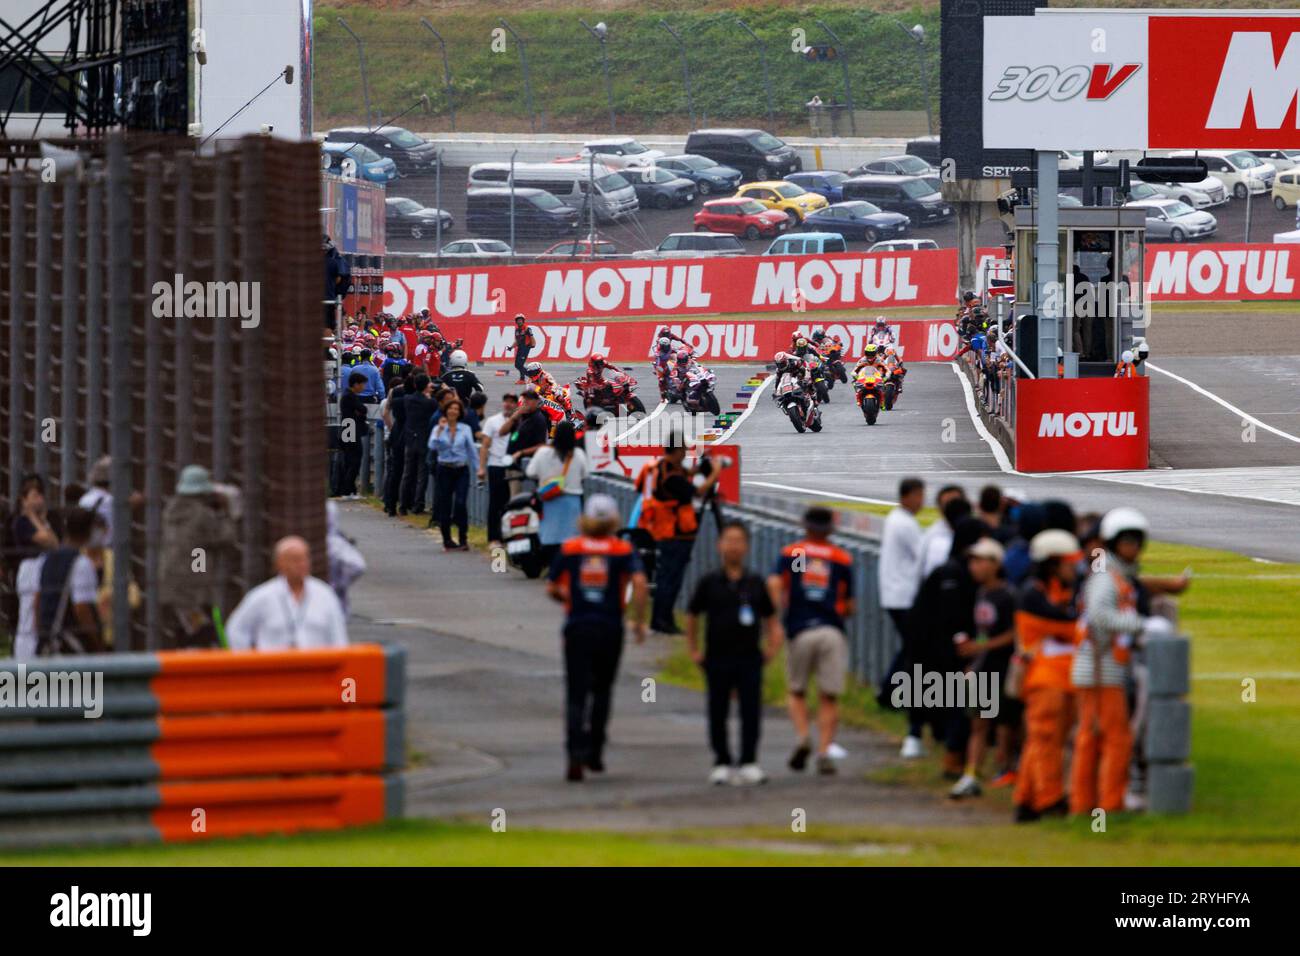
[(590, 576), (292, 610)]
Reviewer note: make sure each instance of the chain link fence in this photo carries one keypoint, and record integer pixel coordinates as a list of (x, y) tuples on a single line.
[(157, 307)]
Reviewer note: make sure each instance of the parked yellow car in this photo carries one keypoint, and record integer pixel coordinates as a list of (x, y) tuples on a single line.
[(1286, 188), (795, 201)]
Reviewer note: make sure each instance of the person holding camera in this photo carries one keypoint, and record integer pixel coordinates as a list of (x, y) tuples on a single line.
[(668, 492)]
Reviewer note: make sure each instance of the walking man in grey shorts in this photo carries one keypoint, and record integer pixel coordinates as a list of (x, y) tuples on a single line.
[(812, 584)]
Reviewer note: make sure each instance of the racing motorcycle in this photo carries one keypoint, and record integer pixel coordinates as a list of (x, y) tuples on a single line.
[(798, 404), (610, 394), (833, 368), (893, 387), (870, 388), (821, 380), (696, 392)]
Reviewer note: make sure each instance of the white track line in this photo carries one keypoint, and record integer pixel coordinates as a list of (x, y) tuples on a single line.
[(999, 453), (834, 495), (1226, 404), (618, 439), (753, 403)]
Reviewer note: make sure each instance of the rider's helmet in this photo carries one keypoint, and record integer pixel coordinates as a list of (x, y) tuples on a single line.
[(819, 336), (871, 351), (459, 359), (597, 362), (665, 343), (684, 357), (881, 322), (533, 370), (801, 346)]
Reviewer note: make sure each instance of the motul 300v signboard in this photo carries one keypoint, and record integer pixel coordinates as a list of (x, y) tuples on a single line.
[(1115, 80), (1082, 424)]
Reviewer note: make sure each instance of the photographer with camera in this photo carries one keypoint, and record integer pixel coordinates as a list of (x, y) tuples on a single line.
[(668, 492)]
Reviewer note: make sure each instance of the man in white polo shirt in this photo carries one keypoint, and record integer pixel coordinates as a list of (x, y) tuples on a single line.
[(292, 610)]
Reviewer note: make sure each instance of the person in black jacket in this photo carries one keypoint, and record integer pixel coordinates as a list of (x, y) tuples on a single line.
[(395, 446), (353, 431), (945, 608), (460, 378), (418, 412)]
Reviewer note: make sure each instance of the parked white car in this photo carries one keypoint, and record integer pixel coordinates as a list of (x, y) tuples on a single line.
[(903, 245), (1280, 158), (620, 152), (1239, 169), (693, 245), (1209, 192), (1073, 159), (1175, 221), (478, 248)]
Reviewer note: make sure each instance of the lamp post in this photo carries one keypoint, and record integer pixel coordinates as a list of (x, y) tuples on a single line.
[(365, 80), (600, 32), (844, 67), (917, 36), (446, 71), (523, 62), (767, 76), (686, 69)]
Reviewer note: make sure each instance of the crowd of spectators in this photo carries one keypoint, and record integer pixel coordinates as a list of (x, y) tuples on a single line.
[(1047, 608)]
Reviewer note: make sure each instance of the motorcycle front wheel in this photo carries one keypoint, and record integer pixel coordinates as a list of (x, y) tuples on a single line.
[(711, 403), (890, 395), (796, 417), (816, 423), (635, 405), (823, 393), (870, 409)]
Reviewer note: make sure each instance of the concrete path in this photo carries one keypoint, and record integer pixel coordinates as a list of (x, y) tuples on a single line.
[(485, 698)]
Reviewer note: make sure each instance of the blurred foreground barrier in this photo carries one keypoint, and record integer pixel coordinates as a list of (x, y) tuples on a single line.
[(1168, 740), (191, 745)]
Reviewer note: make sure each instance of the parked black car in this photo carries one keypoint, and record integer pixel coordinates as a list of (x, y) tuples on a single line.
[(913, 196), (412, 155), (926, 147), (660, 188), (406, 217), (758, 155), (537, 213)]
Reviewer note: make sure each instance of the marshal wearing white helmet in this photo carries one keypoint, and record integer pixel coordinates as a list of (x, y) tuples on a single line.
[(460, 378)]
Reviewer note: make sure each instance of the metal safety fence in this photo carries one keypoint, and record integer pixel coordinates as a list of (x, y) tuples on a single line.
[(163, 308)]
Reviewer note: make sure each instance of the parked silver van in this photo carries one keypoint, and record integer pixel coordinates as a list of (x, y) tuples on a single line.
[(568, 182)]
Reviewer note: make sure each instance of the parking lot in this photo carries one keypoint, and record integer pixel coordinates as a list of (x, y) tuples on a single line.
[(648, 227)]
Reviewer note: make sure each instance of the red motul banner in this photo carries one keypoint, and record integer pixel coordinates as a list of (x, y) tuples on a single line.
[(715, 340), (666, 287), (1216, 272), (1082, 424), (1222, 272)]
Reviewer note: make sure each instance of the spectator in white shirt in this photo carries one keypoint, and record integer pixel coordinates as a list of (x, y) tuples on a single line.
[(492, 464), (292, 610), (900, 577), (936, 543)]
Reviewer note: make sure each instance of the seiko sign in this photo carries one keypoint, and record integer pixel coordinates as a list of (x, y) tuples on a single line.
[(1118, 80)]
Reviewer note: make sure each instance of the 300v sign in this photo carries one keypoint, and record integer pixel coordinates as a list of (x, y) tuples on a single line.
[(1096, 82)]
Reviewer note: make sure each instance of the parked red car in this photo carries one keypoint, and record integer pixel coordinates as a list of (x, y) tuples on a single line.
[(741, 217)]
